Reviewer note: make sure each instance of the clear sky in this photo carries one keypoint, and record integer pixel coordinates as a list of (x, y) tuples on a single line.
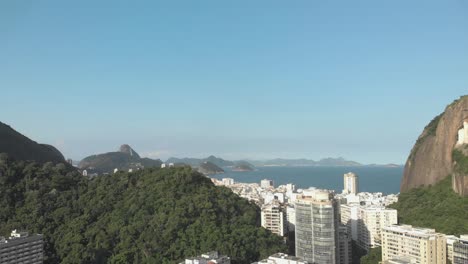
[(238, 79)]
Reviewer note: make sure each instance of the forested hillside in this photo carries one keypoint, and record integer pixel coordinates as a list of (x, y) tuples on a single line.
[(436, 206), (150, 216)]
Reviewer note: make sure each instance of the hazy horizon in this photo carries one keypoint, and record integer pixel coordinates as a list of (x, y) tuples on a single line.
[(243, 79)]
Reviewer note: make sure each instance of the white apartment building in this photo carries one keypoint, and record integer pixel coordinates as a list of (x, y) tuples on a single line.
[(350, 183), (265, 183), (450, 240), (227, 181), (291, 217), (365, 223), (419, 245), (371, 221), (349, 214), (273, 218)]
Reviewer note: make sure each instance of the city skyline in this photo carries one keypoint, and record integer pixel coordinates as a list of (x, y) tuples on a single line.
[(237, 80)]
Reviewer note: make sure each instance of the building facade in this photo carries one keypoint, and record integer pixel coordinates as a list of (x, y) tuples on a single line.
[(350, 183), (291, 217), (21, 248), (450, 240), (273, 218), (317, 227), (460, 250), (420, 245), (345, 246), (371, 221)]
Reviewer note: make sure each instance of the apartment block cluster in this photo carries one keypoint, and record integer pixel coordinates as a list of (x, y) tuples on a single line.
[(324, 225), (21, 247)]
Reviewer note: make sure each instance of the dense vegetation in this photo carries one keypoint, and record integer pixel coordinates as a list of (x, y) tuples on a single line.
[(20, 147), (150, 216), (437, 207), (373, 257)]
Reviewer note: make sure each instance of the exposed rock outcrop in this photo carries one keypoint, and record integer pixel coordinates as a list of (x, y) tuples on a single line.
[(431, 158)]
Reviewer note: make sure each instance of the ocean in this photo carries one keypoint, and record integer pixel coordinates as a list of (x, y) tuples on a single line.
[(371, 179)]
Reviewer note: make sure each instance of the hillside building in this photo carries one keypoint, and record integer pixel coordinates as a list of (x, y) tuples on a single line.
[(21, 247)]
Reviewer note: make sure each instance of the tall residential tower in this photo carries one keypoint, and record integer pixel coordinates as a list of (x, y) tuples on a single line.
[(350, 183), (317, 227)]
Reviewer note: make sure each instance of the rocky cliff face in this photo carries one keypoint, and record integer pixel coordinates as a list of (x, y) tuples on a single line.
[(431, 158)]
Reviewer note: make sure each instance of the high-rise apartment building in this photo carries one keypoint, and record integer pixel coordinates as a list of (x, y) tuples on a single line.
[(273, 218), (460, 250), (420, 245), (21, 248), (351, 183), (317, 227)]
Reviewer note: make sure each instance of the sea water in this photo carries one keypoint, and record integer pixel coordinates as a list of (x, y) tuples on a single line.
[(371, 178)]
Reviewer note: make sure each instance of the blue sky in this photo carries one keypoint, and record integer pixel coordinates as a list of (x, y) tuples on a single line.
[(238, 79)]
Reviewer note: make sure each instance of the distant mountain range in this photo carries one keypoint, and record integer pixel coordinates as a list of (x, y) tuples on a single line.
[(306, 162), (331, 162), (20, 147)]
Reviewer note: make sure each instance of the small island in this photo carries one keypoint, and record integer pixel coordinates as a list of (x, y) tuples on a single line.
[(243, 166)]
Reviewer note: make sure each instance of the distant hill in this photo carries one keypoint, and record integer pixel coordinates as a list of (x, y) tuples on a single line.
[(124, 159), (209, 168), (194, 162), (305, 162), (20, 147)]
